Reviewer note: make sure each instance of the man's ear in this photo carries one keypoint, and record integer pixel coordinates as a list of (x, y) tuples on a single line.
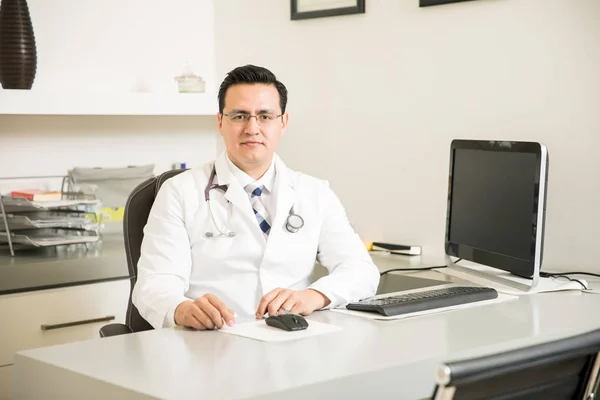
[(220, 123), (284, 122)]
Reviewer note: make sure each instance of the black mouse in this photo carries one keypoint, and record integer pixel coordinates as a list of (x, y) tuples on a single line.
[(287, 322)]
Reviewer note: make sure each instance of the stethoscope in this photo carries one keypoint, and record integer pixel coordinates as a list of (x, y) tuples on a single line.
[(293, 222)]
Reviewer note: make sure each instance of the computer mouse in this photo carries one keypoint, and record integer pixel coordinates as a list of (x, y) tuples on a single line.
[(287, 322)]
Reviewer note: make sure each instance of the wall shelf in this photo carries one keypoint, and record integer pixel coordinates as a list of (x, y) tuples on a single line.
[(32, 102)]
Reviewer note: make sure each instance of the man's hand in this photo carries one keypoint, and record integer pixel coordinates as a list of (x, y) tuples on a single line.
[(301, 302), (206, 312)]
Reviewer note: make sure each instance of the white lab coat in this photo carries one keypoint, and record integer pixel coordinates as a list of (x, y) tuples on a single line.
[(179, 262)]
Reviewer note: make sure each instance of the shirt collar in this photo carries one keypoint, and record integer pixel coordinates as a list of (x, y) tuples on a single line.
[(267, 180)]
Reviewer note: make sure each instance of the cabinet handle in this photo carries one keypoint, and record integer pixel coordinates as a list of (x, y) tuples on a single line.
[(75, 323)]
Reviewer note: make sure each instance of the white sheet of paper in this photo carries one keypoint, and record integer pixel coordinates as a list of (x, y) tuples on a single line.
[(373, 315), (259, 330)]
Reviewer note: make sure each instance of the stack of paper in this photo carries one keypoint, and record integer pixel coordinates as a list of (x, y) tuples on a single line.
[(259, 330), (47, 220), (19, 205), (40, 239)]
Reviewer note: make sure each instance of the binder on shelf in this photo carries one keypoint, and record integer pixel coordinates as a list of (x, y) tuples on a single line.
[(402, 249), (36, 195)]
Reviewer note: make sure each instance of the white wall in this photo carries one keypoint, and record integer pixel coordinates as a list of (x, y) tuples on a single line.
[(121, 46), (375, 100), (51, 145), (113, 46)]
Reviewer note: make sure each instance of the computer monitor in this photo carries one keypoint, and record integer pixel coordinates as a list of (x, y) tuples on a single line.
[(496, 206)]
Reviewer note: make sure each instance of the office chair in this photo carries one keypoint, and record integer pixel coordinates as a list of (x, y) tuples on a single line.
[(558, 370), (137, 209)]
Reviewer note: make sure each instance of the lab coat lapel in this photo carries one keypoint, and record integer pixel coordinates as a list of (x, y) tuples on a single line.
[(278, 243), (286, 196), (235, 193)]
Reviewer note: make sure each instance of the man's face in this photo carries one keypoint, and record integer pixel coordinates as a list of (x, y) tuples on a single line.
[(250, 143)]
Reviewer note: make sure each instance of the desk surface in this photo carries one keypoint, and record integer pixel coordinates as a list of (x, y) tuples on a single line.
[(388, 359)]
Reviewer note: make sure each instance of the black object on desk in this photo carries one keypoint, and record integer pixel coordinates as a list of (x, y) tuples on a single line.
[(424, 300), (287, 322), (402, 249)]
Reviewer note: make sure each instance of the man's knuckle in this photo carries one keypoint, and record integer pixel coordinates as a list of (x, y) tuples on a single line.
[(200, 301)]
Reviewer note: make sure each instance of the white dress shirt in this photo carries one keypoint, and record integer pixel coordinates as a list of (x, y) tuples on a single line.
[(268, 195)]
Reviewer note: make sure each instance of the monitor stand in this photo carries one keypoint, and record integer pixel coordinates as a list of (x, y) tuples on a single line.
[(497, 277)]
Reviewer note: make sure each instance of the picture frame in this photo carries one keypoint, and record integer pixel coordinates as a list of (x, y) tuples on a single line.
[(428, 3), (307, 9)]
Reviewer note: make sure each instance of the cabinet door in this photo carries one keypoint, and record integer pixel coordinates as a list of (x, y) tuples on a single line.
[(56, 316), (5, 383)]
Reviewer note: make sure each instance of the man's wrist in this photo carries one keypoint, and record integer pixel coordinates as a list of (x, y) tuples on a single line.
[(179, 311), (321, 300)]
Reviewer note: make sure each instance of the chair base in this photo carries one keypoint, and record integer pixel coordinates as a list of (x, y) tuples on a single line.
[(114, 330)]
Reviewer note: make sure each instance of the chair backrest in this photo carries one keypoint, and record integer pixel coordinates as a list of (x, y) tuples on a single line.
[(137, 210), (561, 369)]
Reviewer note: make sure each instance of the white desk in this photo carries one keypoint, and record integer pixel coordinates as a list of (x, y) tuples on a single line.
[(367, 359)]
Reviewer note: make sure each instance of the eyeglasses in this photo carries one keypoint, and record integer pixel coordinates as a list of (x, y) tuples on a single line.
[(243, 118)]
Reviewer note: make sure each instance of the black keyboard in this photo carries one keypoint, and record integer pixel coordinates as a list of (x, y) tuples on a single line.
[(424, 300)]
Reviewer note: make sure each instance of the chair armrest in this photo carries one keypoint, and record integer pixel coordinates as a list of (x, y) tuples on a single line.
[(114, 330)]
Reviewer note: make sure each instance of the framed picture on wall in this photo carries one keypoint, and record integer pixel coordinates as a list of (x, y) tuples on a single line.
[(305, 9), (427, 3)]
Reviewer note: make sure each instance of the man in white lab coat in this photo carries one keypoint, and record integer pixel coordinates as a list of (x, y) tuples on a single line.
[(241, 234)]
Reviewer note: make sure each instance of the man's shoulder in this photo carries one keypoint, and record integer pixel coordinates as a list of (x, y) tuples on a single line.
[(188, 179), (302, 179)]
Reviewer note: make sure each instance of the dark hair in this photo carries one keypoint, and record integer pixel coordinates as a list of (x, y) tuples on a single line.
[(251, 74)]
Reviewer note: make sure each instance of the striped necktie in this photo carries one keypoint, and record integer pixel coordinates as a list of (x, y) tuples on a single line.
[(259, 208)]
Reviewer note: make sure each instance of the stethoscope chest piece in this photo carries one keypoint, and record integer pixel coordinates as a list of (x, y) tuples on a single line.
[(293, 223)]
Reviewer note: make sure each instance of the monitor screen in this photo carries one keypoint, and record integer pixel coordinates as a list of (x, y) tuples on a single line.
[(494, 208)]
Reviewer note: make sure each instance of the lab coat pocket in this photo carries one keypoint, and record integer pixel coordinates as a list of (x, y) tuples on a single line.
[(216, 247), (295, 252), (206, 239)]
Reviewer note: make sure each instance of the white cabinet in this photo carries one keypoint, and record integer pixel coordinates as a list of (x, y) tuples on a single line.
[(5, 383), (56, 316)]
